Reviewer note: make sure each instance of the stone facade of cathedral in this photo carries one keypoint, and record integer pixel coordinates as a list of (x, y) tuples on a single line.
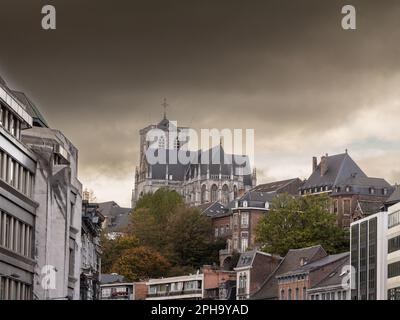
[(222, 179)]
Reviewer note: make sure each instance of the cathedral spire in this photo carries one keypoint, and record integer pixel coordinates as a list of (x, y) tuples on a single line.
[(165, 105)]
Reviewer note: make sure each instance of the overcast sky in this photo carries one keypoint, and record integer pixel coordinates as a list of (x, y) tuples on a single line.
[(285, 68)]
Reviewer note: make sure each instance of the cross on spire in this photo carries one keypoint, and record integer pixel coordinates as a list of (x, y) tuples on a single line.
[(165, 105)]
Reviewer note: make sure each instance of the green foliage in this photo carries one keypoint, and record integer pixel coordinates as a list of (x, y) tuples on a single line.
[(140, 263), (112, 249), (300, 222), (168, 230)]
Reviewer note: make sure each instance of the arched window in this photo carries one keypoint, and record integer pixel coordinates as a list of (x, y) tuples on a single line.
[(289, 294), (225, 194), (235, 192), (203, 193), (282, 294), (297, 293), (304, 293), (214, 193)]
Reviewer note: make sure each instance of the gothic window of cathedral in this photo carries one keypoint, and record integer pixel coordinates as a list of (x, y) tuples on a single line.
[(203, 193), (225, 194), (214, 193)]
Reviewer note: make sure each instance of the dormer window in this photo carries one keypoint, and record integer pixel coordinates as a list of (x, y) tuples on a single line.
[(385, 191), (348, 189), (371, 190), (245, 203), (326, 188)]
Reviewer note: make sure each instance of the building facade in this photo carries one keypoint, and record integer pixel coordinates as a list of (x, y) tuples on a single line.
[(368, 257), (91, 251), (354, 195), (17, 203), (177, 288), (393, 257), (211, 175)]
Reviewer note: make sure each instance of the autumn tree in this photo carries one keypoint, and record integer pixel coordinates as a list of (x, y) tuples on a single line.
[(300, 222), (141, 263)]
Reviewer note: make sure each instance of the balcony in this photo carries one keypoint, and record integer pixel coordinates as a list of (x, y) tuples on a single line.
[(174, 293)]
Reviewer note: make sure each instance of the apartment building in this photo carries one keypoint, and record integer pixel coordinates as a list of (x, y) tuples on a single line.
[(17, 205), (393, 257), (178, 288), (368, 257)]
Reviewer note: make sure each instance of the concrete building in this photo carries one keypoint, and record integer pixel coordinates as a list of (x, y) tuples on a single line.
[(17, 203), (59, 214), (368, 257), (115, 287), (91, 251), (198, 181), (190, 287), (354, 195), (393, 257)]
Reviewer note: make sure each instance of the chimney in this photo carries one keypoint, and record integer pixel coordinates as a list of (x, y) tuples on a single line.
[(324, 165), (314, 163)]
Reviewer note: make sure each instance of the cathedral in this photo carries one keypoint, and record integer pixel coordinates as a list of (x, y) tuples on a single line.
[(197, 181)]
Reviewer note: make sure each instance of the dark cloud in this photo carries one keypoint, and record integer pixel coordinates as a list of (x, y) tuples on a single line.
[(281, 67)]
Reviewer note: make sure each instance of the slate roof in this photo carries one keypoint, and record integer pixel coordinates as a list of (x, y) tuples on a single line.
[(335, 278), (118, 217), (395, 196), (213, 209), (316, 264), (290, 262), (340, 168), (369, 207), (107, 278), (259, 195)]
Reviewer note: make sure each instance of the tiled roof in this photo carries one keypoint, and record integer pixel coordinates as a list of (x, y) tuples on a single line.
[(368, 207), (118, 216), (274, 186), (395, 196), (213, 209)]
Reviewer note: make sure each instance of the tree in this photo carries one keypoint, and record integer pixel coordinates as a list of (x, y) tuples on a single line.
[(300, 222), (141, 263), (189, 238), (113, 249)]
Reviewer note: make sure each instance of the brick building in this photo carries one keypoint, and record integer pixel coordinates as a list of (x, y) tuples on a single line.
[(294, 284)]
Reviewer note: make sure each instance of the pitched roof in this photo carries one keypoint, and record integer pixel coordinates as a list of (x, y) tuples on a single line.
[(339, 168), (246, 259), (106, 278), (119, 217), (291, 261), (395, 196), (274, 186), (335, 278), (213, 209), (316, 264), (368, 207)]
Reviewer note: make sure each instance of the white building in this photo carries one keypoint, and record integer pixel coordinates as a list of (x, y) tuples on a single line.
[(368, 257), (393, 257), (178, 288), (58, 193)]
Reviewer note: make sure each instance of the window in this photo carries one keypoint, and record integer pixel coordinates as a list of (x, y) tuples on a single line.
[(323, 296), (394, 269), (304, 293), (244, 220), (346, 207), (297, 294), (339, 295), (372, 190), (216, 232), (344, 295), (394, 294), (332, 296), (244, 241), (394, 219), (348, 189), (289, 296), (394, 244), (282, 294), (214, 193), (225, 194), (384, 191), (203, 193)]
